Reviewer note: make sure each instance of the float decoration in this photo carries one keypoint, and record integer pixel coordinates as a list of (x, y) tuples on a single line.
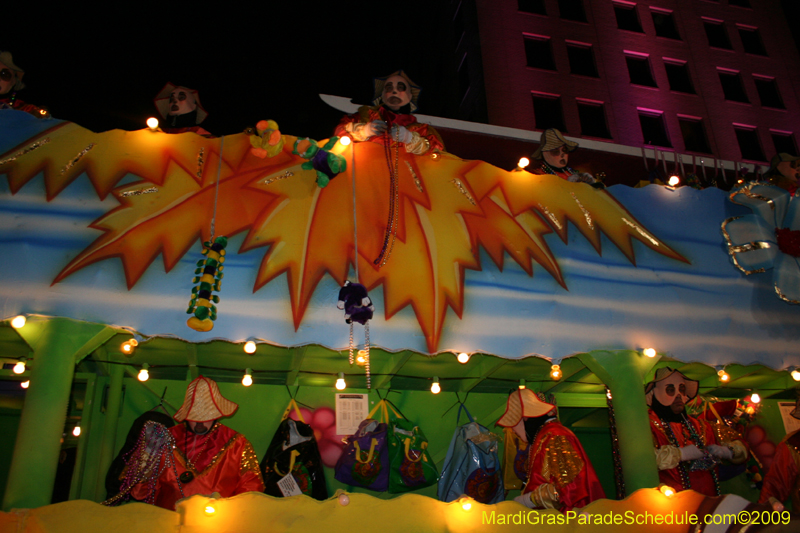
[(327, 165), (268, 141), (210, 279)]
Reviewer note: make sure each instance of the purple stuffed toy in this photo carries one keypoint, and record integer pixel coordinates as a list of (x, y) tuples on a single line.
[(353, 298)]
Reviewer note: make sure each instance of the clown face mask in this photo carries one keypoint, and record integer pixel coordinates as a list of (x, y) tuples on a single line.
[(396, 93), (8, 78), (671, 392), (557, 157), (181, 101)]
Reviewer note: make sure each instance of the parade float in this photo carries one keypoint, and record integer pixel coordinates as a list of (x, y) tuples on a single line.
[(482, 279)]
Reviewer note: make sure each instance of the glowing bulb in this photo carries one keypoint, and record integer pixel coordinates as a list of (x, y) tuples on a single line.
[(152, 123), (667, 491), (465, 502), (435, 388), (19, 368), (340, 384), (649, 352), (18, 321), (463, 358), (750, 410), (25, 384), (133, 342), (144, 374), (608, 394), (247, 380), (210, 510), (521, 384), (673, 180), (76, 431), (126, 347), (345, 140), (555, 371), (362, 357), (250, 347), (724, 376), (523, 162), (435, 155), (755, 398), (796, 375)]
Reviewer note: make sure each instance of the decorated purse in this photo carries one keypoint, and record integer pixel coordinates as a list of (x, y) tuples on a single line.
[(411, 465), (515, 460), (365, 460)]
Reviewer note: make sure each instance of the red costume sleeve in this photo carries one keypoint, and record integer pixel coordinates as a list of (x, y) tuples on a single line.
[(782, 475), (368, 114)]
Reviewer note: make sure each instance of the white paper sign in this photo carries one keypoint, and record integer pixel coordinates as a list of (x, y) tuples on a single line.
[(289, 486), (351, 409), (790, 423)]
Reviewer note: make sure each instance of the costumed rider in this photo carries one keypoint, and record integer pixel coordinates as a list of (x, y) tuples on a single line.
[(784, 172), (782, 481), (180, 110), (11, 82), (554, 148), (560, 475), (688, 449), (208, 456), (390, 119)]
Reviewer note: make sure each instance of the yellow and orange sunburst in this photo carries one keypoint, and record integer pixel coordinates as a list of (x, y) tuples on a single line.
[(448, 208)]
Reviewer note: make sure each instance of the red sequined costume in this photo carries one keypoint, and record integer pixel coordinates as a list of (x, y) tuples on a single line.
[(12, 102), (668, 452), (426, 137), (223, 461), (561, 173), (559, 472), (783, 479)]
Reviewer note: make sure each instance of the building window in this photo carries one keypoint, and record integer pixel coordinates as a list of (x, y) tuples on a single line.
[(751, 41), (627, 17), (572, 10), (639, 69), (539, 52), (717, 34), (678, 76), (581, 59), (784, 142), (665, 24), (740, 3), (732, 85), (547, 111), (592, 115), (768, 92), (532, 6), (694, 134), (654, 131), (748, 142)]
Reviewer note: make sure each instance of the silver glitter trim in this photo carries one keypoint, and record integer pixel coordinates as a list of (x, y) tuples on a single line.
[(586, 214), (463, 190), (77, 158), (287, 174), (200, 162), (137, 192), (783, 296), (642, 232), (732, 251), (414, 175), (747, 190), (29, 149), (551, 216)]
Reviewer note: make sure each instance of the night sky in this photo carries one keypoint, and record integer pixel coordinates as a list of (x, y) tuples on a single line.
[(102, 70)]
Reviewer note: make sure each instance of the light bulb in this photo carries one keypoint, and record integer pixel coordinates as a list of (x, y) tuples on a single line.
[(435, 388), (126, 347), (247, 380), (523, 162), (521, 384), (250, 347), (463, 358), (152, 123), (362, 357), (76, 431), (666, 490), (209, 509), (673, 180), (19, 368), (649, 352), (555, 371), (25, 384), (345, 140), (18, 321), (724, 376), (465, 502), (755, 398), (796, 374), (144, 374), (340, 384)]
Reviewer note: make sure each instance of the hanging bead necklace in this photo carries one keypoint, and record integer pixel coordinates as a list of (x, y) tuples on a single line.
[(188, 476), (394, 194), (550, 170), (691, 437)]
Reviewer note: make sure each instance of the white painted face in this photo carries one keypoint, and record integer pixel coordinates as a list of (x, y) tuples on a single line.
[(181, 101), (672, 392), (557, 157), (396, 93), (8, 78)]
